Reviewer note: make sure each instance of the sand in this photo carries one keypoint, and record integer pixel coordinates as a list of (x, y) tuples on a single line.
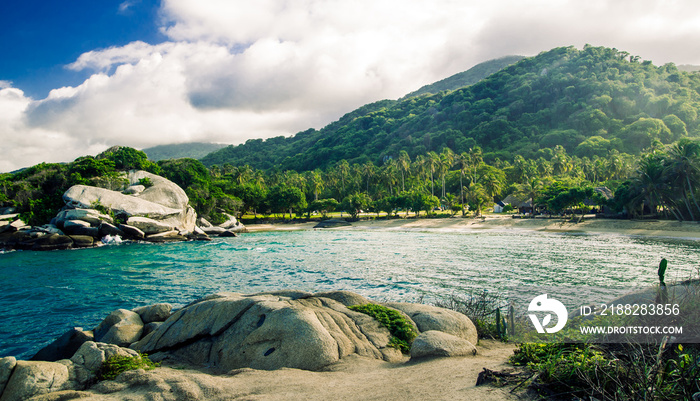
[(354, 378), (590, 225)]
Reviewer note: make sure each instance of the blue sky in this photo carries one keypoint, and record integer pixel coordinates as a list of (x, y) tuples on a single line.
[(38, 37), (78, 76)]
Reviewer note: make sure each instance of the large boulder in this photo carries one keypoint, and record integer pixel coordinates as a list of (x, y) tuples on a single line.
[(149, 226), (154, 313), (7, 365), (65, 346), (83, 196), (429, 317), (122, 327), (436, 343), (31, 378), (85, 213), (266, 331)]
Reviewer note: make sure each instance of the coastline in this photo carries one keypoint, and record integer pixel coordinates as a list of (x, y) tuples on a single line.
[(590, 225)]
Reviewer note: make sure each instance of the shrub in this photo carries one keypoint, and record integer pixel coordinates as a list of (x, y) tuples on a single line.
[(117, 365), (402, 331)]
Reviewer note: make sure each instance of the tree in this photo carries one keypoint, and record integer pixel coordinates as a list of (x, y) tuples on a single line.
[(355, 202), (282, 198)]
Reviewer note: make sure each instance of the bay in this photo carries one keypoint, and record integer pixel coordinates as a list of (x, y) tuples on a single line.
[(44, 294)]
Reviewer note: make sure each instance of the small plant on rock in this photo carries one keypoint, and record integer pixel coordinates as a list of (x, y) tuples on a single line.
[(117, 365), (402, 331)]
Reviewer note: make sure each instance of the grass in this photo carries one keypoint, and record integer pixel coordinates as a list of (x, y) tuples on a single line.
[(117, 365), (402, 331)]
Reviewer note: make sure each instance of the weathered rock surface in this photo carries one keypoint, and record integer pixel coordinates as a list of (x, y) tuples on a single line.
[(227, 331), (436, 343), (86, 214), (429, 317), (30, 378), (132, 232), (154, 313), (330, 223), (110, 229), (232, 224), (82, 241), (49, 242), (65, 346), (266, 331), (122, 327), (7, 365), (148, 226)]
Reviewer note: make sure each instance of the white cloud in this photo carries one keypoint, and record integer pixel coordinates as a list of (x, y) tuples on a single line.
[(234, 69)]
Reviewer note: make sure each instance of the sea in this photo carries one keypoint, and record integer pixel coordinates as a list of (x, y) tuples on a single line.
[(44, 294)]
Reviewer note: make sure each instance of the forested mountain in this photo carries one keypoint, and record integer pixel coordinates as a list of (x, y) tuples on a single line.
[(194, 150), (466, 78), (588, 101)]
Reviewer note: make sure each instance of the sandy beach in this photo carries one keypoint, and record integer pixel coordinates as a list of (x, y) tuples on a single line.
[(590, 225)]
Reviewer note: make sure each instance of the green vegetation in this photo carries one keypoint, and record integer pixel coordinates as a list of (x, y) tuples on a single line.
[(551, 130), (589, 102), (116, 365), (612, 371), (192, 150), (402, 331)]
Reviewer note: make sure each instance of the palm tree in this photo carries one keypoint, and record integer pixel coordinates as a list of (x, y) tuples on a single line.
[(683, 169), (404, 165), (343, 170), (463, 164), (433, 165), (369, 170), (447, 159)]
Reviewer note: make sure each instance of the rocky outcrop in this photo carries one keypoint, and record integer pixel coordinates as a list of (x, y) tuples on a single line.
[(227, 331), (163, 202), (438, 343)]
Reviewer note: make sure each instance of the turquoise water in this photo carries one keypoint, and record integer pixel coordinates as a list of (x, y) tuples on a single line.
[(46, 293)]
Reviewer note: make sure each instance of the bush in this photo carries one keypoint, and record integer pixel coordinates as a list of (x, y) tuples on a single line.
[(117, 365), (402, 331)]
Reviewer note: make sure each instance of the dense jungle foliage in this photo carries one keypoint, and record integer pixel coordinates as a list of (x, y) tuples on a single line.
[(549, 128)]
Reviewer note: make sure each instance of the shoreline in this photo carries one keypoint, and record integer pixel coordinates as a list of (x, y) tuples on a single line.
[(591, 225)]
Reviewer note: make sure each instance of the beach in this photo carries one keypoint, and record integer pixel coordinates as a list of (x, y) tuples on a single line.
[(590, 225)]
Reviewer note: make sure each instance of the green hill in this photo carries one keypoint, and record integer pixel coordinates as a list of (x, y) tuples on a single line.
[(194, 150), (466, 78), (588, 101)]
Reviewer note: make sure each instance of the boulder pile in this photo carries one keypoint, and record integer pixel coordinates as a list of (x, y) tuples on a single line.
[(156, 212), (228, 331)]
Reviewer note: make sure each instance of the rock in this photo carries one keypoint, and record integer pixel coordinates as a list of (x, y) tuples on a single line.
[(49, 229), (213, 230), (18, 225), (32, 378), (92, 354), (264, 331), (5, 226), (74, 225), (109, 229), (332, 223), (91, 216), (232, 224), (149, 226), (51, 242), (429, 317), (154, 313), (10, 217), (132, 232), (227, 234), (198, 235), (7, 365), (82, 241), (151, 327), (436, 343), (167, 236), (202, 222), (82, 196), (65, 346), (163, 191), (134, 189), (346, 298), (122, 327)]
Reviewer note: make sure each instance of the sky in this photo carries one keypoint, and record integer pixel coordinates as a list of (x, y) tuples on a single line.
[(78, 76)]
